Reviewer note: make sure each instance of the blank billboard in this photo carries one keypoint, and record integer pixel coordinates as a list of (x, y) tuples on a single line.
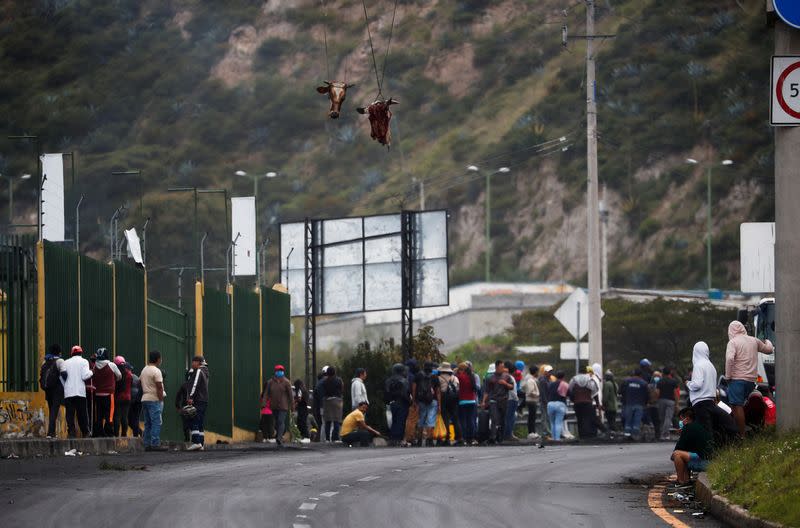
[(53, 197), (359, 263), (243, 223)]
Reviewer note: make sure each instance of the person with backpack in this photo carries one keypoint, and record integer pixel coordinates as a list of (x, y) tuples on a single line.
[(399, 400), (449, 389), (50, 383), (122, 398), (495, 398), (467, 402), (530, 386), (358, 390), (75, 372), (425, 393)]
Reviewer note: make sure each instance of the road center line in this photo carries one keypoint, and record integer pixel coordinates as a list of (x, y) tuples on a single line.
[(308, 506), (368, 479), (656, 503)]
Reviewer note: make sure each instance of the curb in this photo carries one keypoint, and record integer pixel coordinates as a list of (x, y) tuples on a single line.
[(725, 510), (28, 448)]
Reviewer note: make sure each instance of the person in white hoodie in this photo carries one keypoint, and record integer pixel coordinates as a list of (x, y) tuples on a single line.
[(358, 391), (74, 372), (702, 395)]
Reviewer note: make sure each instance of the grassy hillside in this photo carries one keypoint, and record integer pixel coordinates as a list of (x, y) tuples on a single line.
[(190, 91)]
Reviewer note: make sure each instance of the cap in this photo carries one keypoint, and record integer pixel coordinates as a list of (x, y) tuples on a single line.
[(119, 360), (76, 350), (520, 365), (645, 362), (279, 367)]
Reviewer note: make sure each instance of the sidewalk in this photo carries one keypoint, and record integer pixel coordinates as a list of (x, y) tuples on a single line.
[(31, 447)]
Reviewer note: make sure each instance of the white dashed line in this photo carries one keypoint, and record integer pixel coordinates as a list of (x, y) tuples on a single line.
[(329, 494), (368, 479), (295, 525), (308, 506), (301, 516), (313, 498), (397, 470), (344, 485)]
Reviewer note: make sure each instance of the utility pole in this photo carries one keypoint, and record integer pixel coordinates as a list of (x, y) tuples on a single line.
[(595, 323), (787, 251), (422, 195), (604, 214)]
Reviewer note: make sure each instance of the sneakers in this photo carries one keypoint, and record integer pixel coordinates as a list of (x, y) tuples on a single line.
[(270, 440), (533, 436), (195, 447)]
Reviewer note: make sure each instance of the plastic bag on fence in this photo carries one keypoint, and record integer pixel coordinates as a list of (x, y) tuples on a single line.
[(440, 431)]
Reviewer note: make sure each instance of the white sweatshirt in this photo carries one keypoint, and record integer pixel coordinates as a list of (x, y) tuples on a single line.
[(703, 385), (78, 371)]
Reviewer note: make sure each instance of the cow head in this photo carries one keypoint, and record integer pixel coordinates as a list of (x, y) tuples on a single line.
[(337, 93)]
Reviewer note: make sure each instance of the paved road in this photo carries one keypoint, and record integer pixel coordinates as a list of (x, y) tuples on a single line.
[(560, 486)]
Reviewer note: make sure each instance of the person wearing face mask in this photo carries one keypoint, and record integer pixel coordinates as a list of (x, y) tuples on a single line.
[(693, 449), (278, 391)]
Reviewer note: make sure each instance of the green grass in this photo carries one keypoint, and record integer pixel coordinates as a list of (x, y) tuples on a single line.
[(762, 476)]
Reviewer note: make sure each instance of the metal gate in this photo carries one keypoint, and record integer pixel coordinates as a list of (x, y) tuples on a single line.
[(19, 358)]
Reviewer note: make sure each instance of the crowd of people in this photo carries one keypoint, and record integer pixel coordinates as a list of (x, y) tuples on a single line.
[(434, 404)]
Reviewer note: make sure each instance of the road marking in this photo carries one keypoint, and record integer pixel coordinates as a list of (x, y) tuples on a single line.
[(397, 470), (313, 498), (656, 503), (299, 516), (329, 494), (368, 479), (295, 525), (308, 506), (344, 485)]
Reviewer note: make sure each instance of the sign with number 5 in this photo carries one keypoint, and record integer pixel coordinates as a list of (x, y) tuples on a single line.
[(785, 107)]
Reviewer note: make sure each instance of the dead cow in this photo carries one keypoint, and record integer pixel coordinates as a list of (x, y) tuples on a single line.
[(379, 118), (337, 93)]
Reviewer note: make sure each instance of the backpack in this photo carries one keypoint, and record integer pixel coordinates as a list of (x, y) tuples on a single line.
[(451, 393), (49, 375), (394, 387), (424, 393)]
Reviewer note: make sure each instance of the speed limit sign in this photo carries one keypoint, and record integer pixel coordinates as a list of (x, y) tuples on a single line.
[(785, 107)]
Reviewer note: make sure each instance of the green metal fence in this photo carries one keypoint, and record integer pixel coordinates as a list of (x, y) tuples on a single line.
[(217, 352), (275, 330), (130, 298), (19, 365), (97, 304), (246, 357), (167, 330), (61, 296)]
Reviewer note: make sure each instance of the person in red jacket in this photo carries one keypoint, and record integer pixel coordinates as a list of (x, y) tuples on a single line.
[(105, 376), (122, 397)]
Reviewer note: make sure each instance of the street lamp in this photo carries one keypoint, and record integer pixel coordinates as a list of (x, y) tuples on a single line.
[(10, 181), (488, 203), (709, 166), (38, 143), (256, 177)]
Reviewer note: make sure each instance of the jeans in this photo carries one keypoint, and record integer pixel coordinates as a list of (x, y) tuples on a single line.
[(198, 436), (633, 418), (280, 424), (468, 416), (54, 402), (152, 423), (556, 410), (76, 408), (399, 416), (532, 416), (666, 408), (121, 411), (511, 419), (498, 410), (427, 414), (364, 438)]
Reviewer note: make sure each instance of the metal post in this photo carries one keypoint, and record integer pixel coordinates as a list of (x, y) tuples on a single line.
[(39, 187), (708, 231), (202, 259), (144, 241), (10, 201), (407, 284), (78, 225), (604, 214), (232, 249), (488, 221), (287, 267), (422, 195), (180, 297), (787, 253), (595, 323), (112, 231), (196, 234), (578, 342)]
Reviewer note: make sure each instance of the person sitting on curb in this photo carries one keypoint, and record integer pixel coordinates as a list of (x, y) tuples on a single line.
[(693, 448), (355, 428)]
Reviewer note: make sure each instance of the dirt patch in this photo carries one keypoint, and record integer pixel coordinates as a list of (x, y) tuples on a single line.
[(496, 15), (455, 69), (237, 65), (469, 225), (182, 18)]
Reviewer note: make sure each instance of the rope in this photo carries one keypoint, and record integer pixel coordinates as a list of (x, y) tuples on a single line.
[(388, 44), (325, 38), (372, 48)]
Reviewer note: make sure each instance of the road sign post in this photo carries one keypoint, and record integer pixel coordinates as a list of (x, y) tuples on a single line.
[(578, 341)]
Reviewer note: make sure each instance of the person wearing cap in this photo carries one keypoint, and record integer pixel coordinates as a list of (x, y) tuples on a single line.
[(50, 383), (647, 369), (122, 397), (449, 389), (198, 397), (355, 428), (74, 373), (280, 395), (105, 376)]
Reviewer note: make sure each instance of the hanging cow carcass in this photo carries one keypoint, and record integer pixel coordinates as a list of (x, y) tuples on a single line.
[(337, 93), (380, 117)]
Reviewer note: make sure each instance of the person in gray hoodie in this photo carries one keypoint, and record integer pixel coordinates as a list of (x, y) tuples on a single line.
[(198, 397), (702, 395)]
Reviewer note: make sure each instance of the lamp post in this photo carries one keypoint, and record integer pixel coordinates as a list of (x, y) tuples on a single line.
[(257, 176), (488, 203), (709, 166), (10, 181), (78, 225)]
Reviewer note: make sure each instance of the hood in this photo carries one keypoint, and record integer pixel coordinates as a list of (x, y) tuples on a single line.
[(736, 328), (412, 365), (398, 370), (582, 380), (700, 353), (101, 363), (358, 380), (598, 369)]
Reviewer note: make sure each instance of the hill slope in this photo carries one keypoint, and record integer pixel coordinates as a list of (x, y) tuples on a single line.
[(189, 92)]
